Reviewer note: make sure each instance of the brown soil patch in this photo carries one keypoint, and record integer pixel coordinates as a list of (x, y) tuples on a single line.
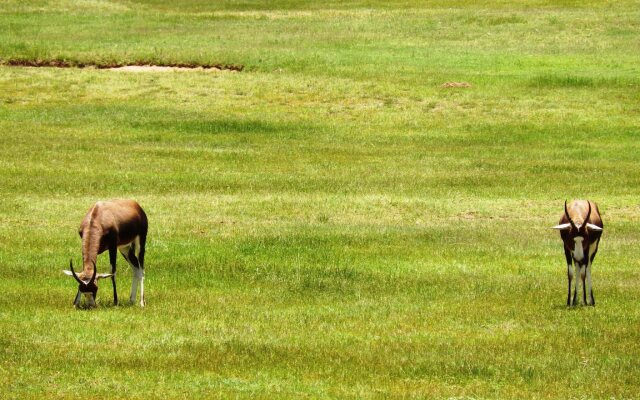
[(455, 84), (150, 68), (137, 66)]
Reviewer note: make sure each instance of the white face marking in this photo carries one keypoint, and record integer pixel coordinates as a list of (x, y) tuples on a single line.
[(578, 254)]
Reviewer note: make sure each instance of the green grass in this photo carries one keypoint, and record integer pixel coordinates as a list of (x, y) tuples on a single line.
[(330, 222)]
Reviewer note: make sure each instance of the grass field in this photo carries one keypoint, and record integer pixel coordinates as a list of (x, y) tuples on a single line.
[(330, 222)]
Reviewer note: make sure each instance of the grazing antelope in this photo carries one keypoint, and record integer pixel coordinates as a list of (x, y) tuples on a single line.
[(580, 229), (111, 225)]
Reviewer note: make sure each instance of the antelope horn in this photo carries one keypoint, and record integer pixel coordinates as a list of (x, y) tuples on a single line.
[(586, 220), (95, 270), (566, 213), (74, 272)]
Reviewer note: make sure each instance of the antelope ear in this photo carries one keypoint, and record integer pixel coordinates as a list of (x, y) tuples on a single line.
[(562, 227), (100, 276), (594, 227), (67, 272)]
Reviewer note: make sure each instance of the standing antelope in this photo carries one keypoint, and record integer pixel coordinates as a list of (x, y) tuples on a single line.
[(580, 229), (111, 225)]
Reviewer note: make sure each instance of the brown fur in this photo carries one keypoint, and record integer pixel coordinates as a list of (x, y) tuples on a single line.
[(578, 211), (109, 224)]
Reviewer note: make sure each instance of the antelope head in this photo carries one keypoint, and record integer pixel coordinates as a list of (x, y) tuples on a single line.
[(87, 287), (576, 235)]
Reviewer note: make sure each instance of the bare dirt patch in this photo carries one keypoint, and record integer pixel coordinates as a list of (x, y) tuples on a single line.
[(151, 68), (455, 85), (136, 66)]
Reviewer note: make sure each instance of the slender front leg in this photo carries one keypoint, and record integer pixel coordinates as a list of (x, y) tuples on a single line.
[(593, 249), (570, 278), (113, 252), (583, 276), (143, 243), (141, 271), (589, 287), (576, 286), (135, 276), (138, 280), (567, 255)]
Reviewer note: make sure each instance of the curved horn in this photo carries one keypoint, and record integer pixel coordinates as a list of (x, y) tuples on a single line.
[(566, 213), (95, 270), (586, 220), (74, 272)]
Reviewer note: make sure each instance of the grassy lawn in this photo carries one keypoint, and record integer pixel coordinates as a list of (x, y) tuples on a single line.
[(330, 222)]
